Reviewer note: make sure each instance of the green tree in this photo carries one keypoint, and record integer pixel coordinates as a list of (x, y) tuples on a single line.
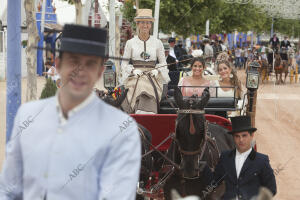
[(186, 17), (49, 89), (288, 27)]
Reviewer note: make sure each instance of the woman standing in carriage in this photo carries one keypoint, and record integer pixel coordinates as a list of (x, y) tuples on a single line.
[(144, 77)]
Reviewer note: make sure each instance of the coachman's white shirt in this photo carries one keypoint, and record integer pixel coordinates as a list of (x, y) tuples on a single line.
[(93, 155), (240, 159)]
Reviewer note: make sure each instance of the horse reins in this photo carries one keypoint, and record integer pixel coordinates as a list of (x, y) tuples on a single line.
[(155, 149)]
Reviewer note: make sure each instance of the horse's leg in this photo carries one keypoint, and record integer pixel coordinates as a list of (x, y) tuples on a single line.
[(277, 78), (263, 75), (286, 73), (291, 75), (269, 72)]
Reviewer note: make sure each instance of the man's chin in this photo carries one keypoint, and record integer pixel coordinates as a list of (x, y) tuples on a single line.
[(78, 93), (243, 149)]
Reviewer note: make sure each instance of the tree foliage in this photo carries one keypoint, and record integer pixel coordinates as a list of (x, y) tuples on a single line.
[(49, 89), (287, 26), (72, 1), (188, 17)]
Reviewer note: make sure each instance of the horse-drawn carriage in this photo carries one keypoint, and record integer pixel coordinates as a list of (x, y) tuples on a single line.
[(283, 62), (180, 140)]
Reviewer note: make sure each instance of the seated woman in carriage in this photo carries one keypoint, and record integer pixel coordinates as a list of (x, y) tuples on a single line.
[(229, 85), (196, 79), (228, 80)]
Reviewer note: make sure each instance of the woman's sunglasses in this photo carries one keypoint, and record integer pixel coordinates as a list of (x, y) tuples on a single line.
[(145, 22)]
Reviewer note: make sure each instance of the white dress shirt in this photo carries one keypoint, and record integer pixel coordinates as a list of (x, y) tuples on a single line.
[(172, 53), (208, 50), (240, 159), (238, 53), (94, 154)]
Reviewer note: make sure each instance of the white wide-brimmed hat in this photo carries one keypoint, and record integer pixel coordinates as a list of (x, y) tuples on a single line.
[(144, 15)]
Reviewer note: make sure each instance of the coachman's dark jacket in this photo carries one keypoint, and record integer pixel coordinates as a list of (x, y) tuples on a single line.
[(285, 44), (255, 173), (170, 60), (274, 43)]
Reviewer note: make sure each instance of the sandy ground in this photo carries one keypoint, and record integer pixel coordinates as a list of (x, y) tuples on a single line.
[(278, 134), (277, 120)]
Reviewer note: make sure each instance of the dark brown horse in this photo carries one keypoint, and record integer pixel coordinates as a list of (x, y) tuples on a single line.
[(281, 66), (197, 144)]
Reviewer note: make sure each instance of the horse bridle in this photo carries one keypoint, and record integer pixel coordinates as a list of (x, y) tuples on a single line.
[(200, 151), (203, 145)]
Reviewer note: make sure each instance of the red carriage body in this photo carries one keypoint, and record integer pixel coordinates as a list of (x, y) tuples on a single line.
[(162, 125)]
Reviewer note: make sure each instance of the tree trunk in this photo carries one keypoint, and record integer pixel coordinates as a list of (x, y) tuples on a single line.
[(33, 37), (78, 7)]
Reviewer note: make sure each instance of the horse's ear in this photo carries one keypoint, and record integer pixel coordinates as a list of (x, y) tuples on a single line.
[(204, 99), (178, 97)]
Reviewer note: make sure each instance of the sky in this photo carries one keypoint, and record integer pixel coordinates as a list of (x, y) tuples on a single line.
[(65, 12)]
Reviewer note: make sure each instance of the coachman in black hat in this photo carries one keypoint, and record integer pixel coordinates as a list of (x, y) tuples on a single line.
[(243, 169)]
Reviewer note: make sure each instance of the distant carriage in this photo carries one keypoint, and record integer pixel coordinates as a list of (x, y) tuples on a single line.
[(283, 63)]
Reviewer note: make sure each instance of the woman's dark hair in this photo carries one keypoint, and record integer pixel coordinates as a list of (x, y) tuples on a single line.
[(199, 59), (234, 80)]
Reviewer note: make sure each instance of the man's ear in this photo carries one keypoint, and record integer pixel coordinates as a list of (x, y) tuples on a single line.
[(101, 70)]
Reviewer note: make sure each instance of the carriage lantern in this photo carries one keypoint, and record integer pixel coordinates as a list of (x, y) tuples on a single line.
[(252, 83), (253, 76), (109, 75)]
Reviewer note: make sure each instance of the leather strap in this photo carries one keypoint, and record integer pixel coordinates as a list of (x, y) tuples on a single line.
[(137, 81), (156, 147), (155, 90), (163, 155), (143, 64)]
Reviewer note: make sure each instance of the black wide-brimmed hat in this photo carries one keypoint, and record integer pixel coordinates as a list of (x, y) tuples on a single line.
[(171, 39), (83, 40), (240, 124)]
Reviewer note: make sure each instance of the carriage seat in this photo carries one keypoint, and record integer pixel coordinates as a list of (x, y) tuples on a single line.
[(169, 106)]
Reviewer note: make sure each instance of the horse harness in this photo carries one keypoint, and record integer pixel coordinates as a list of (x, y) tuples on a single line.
[(205, 144), (208, 143)]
